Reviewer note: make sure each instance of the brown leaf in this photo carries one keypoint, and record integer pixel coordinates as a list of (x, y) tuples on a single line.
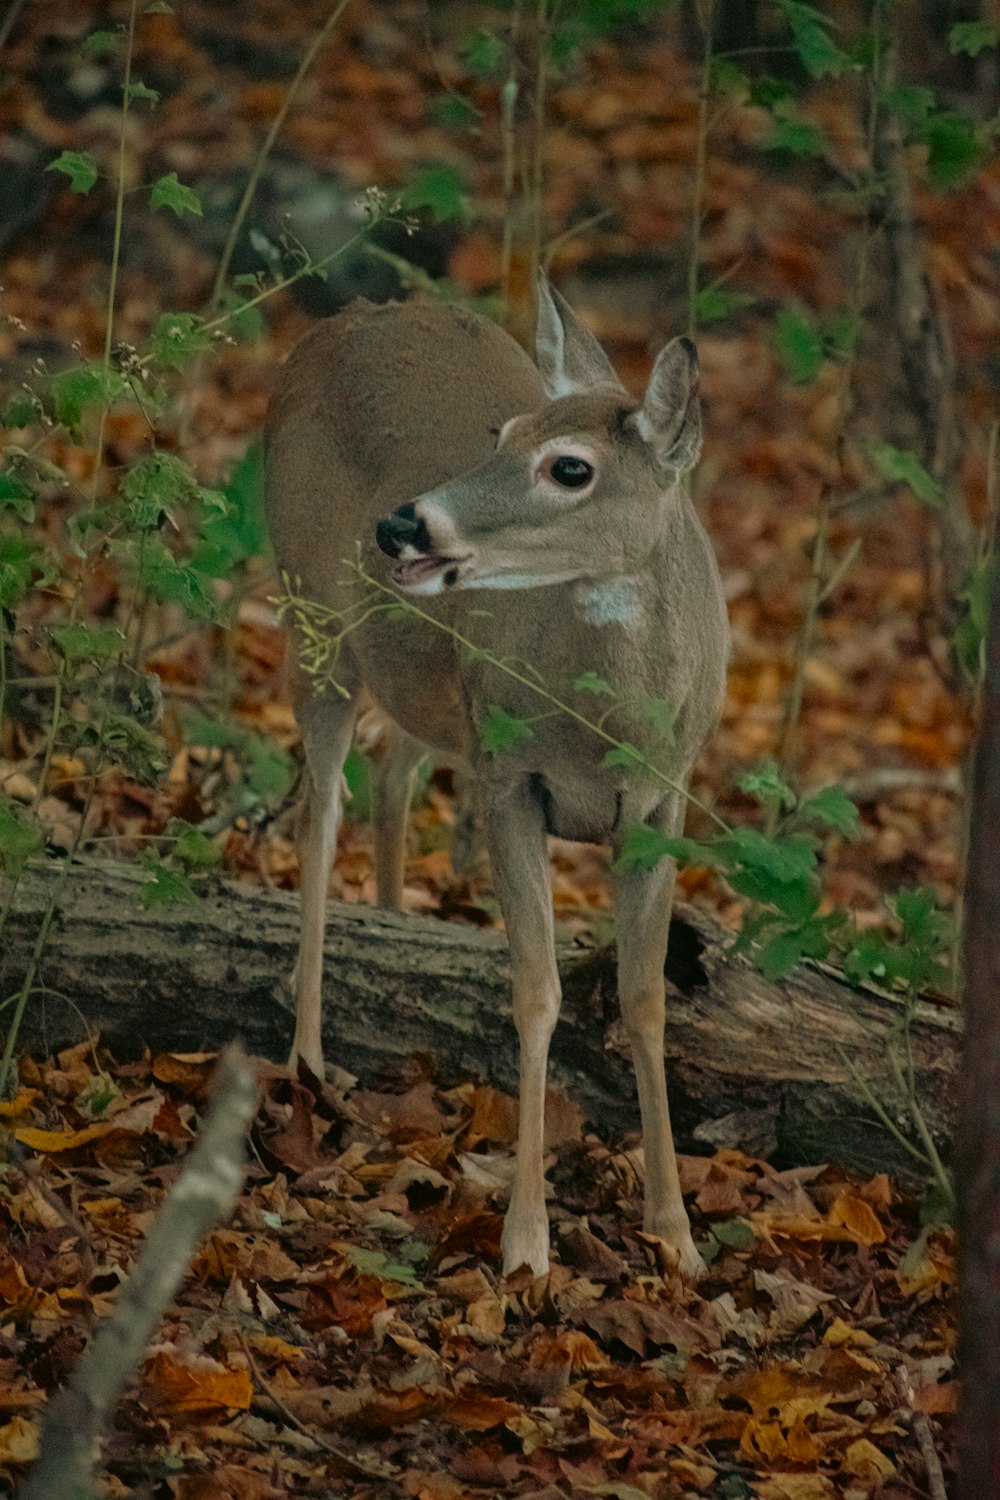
[(403, 1116), (190, 1071), (200, 1384), (572, 1349), (638, 1324), (229, 1252), (586, 1253), (473, 1412)]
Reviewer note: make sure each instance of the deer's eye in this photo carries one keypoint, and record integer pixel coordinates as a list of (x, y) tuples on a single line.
[(570, 472)]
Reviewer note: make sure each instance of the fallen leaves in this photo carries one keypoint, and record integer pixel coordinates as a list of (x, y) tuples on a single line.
[(358, 1292)]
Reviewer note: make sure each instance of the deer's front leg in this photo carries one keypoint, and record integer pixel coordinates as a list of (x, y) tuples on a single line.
[(643, 899), (515, 832)]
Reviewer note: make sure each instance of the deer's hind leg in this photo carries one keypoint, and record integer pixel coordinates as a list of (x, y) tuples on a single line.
[(327, 724), (395, 775)]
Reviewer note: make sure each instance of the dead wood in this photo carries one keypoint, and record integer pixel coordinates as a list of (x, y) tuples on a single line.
[(193, 977)]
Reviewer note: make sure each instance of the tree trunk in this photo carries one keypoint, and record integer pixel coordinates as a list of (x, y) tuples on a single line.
[(979, 1125), (769, 1055)]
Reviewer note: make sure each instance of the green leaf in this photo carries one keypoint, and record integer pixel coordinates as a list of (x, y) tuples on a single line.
[(916, 908), (101, 44), (954, 151), (377, 1263), (735, 1234), (138, 90), (642, 848), (910, 101), (589, 682), (79, 166), (80, 387), (798, 136), (17, 496), (970, 634), (713, 303), (771, 93), (786, 857), (779, 955), (272, 771), (439, 189), (796, 899), (165, 887), (831, 808), (157, 485), (143, 754), (80, 642), (192, 849), (20, 560), (485, 54), (21, 410), (178, 338), (358, 775), (166, 578), (811, 33), (972, 37), (799, 345), (238, 531), (21, 836), (840, 334), (624, 754), (167, 192), (501, 731), (904, 467), (661, 714), (767, 785)]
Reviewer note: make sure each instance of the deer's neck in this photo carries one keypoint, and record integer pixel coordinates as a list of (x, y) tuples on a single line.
[(610, 601)]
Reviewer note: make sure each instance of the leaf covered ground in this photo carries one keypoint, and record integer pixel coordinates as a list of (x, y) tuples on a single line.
[(349, 1331)]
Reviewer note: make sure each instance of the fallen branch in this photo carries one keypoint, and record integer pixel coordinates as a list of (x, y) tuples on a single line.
[(751, 1063), (203, 1194)]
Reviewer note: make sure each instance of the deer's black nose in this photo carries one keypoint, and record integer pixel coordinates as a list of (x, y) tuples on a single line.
[(404, 528)]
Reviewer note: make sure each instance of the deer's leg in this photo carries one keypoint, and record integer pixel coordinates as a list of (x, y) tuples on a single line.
[(327, 724), (394, 779), (643, 899), (515, 833)]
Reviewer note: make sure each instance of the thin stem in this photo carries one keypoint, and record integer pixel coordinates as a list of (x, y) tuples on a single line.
[(538, 145), (706, 20), (120, 194), (266, 146), (279, 286), (883, 1116), (508, 132)]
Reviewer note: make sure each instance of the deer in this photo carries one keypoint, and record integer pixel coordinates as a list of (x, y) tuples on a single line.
[(537, 509)]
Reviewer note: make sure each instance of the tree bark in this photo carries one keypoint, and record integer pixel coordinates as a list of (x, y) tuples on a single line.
[(978, 1155), (770, 1055)]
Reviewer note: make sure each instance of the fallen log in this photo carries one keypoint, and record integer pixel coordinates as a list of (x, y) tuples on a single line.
[(751, 1062)]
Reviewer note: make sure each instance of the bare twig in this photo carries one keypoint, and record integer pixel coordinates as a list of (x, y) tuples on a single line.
[(267, 144), (921, 1429), (10, 20), (203, 1194), (367, 1471), (705, 12)]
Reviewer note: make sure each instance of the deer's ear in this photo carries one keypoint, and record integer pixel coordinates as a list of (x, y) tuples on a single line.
[(569, 357), (670, 417)]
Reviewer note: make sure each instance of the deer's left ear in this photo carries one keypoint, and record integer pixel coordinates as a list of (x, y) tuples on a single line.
[(670, 417), (569, 357)]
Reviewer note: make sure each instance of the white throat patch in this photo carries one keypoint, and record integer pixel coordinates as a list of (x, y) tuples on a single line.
[(613, 601)]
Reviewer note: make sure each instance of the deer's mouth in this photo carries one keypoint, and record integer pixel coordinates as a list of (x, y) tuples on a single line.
[(431, 574)]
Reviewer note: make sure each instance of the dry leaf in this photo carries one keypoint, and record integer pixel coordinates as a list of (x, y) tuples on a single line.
[(200, 1384), (868, 1462)]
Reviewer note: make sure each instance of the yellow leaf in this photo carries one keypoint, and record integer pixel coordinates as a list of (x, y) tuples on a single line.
[(60, 1140), (11, 1109), (797, 1487), (840, 1334), (855, 1215), (868, 1462), (763, 1440), (18, 1441), (801, 1447)]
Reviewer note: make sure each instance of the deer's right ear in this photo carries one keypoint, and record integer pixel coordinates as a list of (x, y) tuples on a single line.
[(569, 357), (670, 417)]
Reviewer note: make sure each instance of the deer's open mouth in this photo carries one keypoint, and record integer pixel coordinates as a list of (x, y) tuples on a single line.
[(430, 575)]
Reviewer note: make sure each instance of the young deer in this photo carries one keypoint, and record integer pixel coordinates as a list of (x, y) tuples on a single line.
[(539, 513)]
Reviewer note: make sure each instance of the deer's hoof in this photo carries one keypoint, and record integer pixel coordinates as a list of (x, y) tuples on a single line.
[(525, 1242), (680, 1246)]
